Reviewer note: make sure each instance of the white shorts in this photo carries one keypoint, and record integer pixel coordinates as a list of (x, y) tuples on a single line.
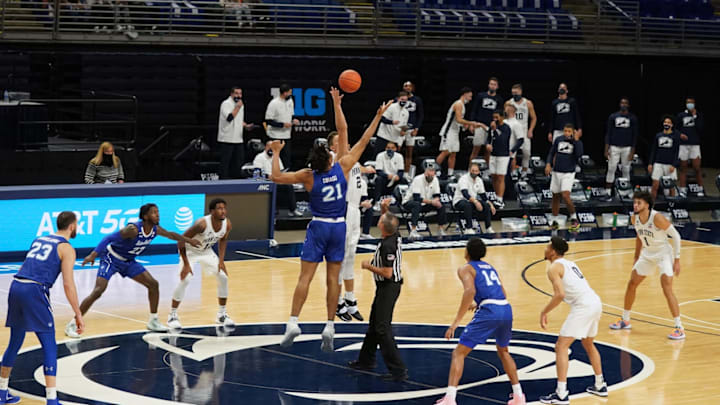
[(499, 165), (409, 139), (480, 136), (647, 264), (207, 260), (560, 182), (661, 170), (582, 321), (618, 154), (352, 236), (526, 150), (557, 134), (450, 142), (689, 152)]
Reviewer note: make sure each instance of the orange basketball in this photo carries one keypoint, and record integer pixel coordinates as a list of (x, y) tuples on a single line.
[(350, 81)]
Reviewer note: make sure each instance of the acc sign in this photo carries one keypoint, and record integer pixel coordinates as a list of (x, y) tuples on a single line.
[(212, 365)]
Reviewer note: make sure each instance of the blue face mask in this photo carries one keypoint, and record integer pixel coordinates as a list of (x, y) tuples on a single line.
[(690, 106), (390, 152)]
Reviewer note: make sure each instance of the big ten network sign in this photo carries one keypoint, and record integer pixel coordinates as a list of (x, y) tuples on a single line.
[(311, 109)]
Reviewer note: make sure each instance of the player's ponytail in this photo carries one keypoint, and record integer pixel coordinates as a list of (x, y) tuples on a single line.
[(319, 159)]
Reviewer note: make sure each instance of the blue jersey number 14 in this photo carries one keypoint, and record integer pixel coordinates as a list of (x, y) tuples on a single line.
[(489, 279)]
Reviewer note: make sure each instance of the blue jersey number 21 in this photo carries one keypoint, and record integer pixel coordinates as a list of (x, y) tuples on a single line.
[(330, 194)]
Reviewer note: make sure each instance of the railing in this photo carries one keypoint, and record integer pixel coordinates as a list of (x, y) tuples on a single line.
[(616, 24)]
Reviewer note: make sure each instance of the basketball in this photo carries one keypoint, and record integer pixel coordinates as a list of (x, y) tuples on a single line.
[(350, 81)]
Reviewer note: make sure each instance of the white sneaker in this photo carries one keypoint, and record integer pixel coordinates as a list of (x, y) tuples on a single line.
[(469, 231), (489, 229), (701, 192), (442, 232), (366, 236), (414, 235), (155, 326), (71, 330), (224, 319), (291, 332), (173, 322), (328, 335)]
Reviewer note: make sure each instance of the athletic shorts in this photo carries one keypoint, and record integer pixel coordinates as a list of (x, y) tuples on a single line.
[(561, 182), (324, 239), (409, 139), (480, 136), (490, 321), (689, 152), (582, 320), (647, 264), (499, 165), (29, 307), (352, 237), (450, 141), (660, 170), (207, 259), (110, 265)]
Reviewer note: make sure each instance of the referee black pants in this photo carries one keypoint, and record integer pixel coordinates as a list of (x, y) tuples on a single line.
[(380, 329)]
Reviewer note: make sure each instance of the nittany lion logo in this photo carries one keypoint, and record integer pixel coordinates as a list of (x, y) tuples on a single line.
[(209, 365), (562, 108), (489, 103), (665, 142), (622, 122), (566, 147)]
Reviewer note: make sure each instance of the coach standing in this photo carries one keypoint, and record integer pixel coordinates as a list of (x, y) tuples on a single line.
[(279, 119), (620, 138), (231, 125), (564, 110), (385, 265)]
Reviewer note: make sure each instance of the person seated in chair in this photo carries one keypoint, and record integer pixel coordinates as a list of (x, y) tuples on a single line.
[(389, 172), (471, 201), (424, 196)]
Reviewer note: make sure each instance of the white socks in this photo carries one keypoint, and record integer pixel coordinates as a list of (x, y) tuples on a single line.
[(173, 311), (293, 321), (221, 309), (451, 392), (153, 317), (678, 322), (562, 389), (350, 295), (330, 325), (599, 381), (626, 315), (51, 393), (517, 391), (450, 172), (4, 383)]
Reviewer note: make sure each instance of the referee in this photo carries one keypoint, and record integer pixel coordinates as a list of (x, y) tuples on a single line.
[(388, 279)]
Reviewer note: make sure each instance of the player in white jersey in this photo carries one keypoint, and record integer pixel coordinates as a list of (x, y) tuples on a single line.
[(525, 114), (209, 230), (450, 131), (570, 285), (347, 306), (653, 250)]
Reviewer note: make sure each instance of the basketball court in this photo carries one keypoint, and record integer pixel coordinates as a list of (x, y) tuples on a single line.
[(208, 365)]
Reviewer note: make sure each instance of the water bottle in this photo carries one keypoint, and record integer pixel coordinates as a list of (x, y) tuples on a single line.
[(257, 173), (615, 218), (6, 96)]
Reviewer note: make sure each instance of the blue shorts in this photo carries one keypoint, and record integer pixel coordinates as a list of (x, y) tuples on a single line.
[(490, 321), (29, 308), (110, 265), (324, 239)]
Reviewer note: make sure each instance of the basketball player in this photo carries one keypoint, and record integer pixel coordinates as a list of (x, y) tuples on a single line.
[(29, 302), (690, 124), (664, 159), (620, 138), (485, 294), (347, 308), (501, 146), (209, 230), (327, 185), (485, 104), (525, 114), (570, 285), (450, 131), (652, 250), (119, 250), (561, 162), (564, 110), (415, 120)]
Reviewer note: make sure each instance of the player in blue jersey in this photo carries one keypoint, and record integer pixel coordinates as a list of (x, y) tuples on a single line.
[(327, 184), (485, 294), (118, 252), (29, 302)]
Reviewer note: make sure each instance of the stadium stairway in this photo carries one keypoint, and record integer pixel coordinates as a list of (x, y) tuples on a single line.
[(365, 17)]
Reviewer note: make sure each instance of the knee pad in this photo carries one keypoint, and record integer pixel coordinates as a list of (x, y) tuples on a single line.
[(222, 284), (47, 341), (179, 292), (347, 272)]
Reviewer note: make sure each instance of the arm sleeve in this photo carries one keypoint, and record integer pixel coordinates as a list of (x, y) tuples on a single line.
[(676, 240), (419, 112), (400, 173), (465, 193), (385, 120), (121, 172), (274, 123), (230, 117), (517, 145), (102, 246), (90, 173)]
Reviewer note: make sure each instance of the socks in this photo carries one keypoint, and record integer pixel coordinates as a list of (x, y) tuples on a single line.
[(626, 315), (293, 320), (51, 393), (153, 317), (4, 383), (341, 300), (173, 312), (221, 309), (330, 325), (451, 392), (573, 215), (350, 295), (450, 172), (678, 323), (562, 389), (599, 381), (517, 391)]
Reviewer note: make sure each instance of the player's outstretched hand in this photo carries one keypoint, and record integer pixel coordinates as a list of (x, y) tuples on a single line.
[(89, 259), (336, 96), (276, 146), (543, 320), (384, 107), (80, 323), (450, 332)]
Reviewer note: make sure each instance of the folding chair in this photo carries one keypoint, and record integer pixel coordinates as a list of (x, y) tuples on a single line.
[(677, 205), (624, 192), (529, 200)]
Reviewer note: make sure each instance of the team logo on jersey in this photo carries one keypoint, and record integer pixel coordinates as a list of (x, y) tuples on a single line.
[(562, 108), (622, 122), (183, 218), (209, 365), (566, 147), (665, 142), (489, 104), (689, 121)]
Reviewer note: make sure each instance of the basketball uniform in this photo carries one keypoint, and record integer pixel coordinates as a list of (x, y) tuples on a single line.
[(450, 131), (120, 256), (29, 306), (522, 115), (493, 317), (585, 305), (352, 221), (204, 254), (325, 235), (656, 249)]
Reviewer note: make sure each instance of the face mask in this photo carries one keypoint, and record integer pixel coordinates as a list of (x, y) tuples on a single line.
[(491, 92), (517, 97), (402, 103), (107, 160), (562, 91), (429, 179), (473, 175), (623, 108), (390, 152), (465, 101), (269, 152), (237, 99), (690, 106), (667, 126)]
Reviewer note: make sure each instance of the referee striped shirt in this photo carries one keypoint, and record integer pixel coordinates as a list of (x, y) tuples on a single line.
[(389, 254)]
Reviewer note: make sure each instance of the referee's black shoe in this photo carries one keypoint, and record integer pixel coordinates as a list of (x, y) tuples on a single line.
[(357, 365)]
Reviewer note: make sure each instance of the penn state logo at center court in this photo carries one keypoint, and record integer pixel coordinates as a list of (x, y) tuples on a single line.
[(210, 365)]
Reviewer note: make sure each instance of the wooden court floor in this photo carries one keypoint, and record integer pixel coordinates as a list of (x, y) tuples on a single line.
[(261, 290)]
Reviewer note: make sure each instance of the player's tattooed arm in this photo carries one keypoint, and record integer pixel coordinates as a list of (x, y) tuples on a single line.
[(177, 237), (467, 277), (555, 276), (222, 246)]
